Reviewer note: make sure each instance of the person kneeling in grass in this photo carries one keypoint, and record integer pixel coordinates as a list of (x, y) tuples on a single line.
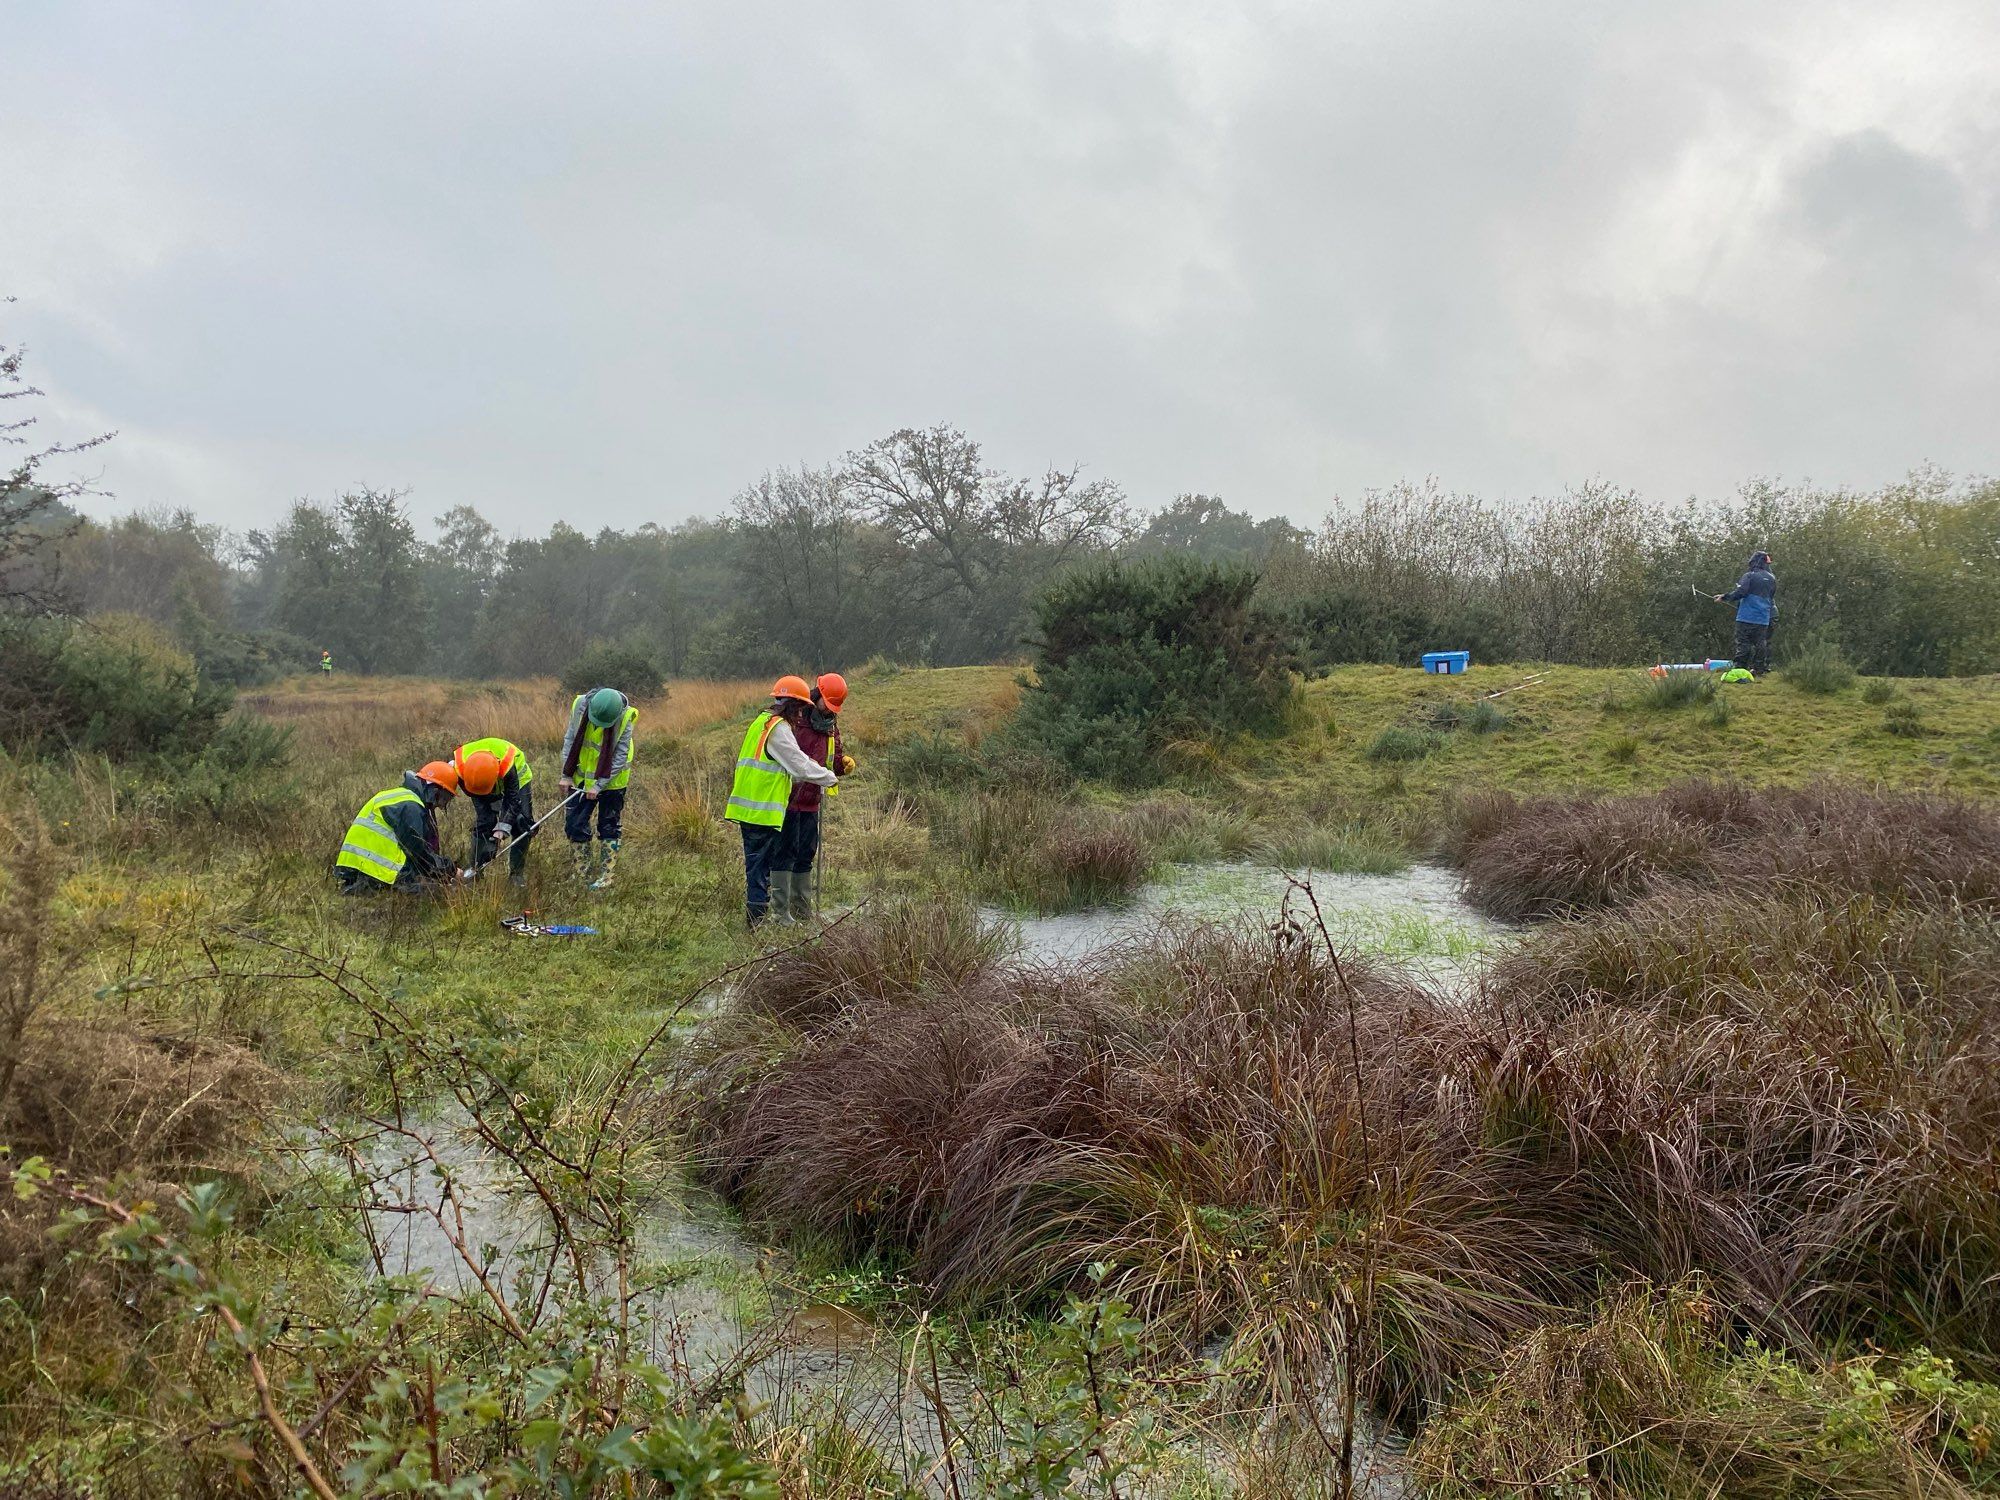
[(768, 763), (393, 842)]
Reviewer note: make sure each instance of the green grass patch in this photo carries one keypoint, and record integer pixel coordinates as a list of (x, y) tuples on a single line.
[(1397, 744)]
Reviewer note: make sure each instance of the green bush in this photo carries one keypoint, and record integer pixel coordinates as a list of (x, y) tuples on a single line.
[(1878, 691), (1819, 667), (1405, 744), (932, 762), (632, 668), (1134, 655), (1343, 625), (111, 686)]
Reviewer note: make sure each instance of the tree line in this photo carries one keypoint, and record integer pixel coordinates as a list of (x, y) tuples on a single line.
[(918, 549)]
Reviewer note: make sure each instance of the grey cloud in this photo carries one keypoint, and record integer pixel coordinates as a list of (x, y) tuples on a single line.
[(613, 264)]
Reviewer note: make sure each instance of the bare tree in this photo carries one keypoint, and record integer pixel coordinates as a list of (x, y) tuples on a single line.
[(34, 510), (800, 534), (979, 538)]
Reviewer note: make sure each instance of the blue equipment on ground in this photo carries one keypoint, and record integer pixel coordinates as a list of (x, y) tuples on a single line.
[(1451, 662), (525, 925)]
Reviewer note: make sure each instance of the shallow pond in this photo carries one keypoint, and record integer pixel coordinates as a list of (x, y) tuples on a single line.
[(1417, 917)]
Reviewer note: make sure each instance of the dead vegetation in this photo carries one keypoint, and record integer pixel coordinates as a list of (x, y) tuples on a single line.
[(1534, 858), (1372, 1191)]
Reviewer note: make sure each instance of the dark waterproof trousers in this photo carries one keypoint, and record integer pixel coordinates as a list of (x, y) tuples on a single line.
[(760, 849), (517, 812), (798, 840), (610, 808), (1753, 646)]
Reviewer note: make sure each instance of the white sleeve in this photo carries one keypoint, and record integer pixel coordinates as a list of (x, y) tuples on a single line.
[(783, 747)]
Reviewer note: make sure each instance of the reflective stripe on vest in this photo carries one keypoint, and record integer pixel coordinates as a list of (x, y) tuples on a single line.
[(593, 737), (506, 752), (762, 786), (371, 845)]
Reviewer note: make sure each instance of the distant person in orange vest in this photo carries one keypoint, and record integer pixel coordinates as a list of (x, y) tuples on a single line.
[(798, 841)]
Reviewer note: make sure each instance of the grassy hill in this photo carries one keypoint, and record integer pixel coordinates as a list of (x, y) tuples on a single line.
[(1577, 728)]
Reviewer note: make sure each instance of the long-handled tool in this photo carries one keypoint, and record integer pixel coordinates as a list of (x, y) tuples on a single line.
[(480, 868)]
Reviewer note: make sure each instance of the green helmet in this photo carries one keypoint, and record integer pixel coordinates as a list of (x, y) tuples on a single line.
[(605, 707)]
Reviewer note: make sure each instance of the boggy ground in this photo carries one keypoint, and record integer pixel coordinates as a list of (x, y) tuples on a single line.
[(1714, 1172), (1186, 1125)]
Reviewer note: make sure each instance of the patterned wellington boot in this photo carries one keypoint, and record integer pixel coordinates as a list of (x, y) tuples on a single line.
[(579, 862), (608, 871)]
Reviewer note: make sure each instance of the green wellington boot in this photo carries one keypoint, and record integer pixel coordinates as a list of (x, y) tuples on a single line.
[(609, 870), (802, 895), (780, 910)]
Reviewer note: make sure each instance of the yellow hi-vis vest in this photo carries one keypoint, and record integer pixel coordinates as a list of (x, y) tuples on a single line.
[(509, 754), (762, 786), (371, 845), (607, 740)]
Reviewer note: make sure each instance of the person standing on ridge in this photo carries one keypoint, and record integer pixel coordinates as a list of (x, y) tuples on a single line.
[(495, 774), (1756, 599), (393, 841), (798, 844), (768, 764), (326, 664), (597, 752)]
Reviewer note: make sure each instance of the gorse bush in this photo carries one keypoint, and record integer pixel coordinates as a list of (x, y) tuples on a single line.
[(1132, 656), (634, 670), (115, 686)]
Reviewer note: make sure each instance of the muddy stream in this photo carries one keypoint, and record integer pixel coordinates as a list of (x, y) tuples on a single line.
[(710, 1303)]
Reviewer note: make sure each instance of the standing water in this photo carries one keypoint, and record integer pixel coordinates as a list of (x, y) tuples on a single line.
[(1417, 917)]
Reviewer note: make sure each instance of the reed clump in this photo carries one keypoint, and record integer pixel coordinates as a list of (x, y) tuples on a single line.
[(1533, 858), (1792, 1095)]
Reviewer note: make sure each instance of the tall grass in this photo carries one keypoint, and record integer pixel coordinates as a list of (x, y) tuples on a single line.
[(1031, 851), (1674, 690), (1543, 857), (1820, 668), (1792, 1096)]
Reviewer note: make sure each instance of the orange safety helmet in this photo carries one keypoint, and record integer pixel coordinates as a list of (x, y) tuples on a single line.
[(832, 690), (791, 687), (480, 772), (440, 775)]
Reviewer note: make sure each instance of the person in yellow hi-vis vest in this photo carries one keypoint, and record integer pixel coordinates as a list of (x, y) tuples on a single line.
[(767, 764), (597, 751), (495, 774), (393, 842)]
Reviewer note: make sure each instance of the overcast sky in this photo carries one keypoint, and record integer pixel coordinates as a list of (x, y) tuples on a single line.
[(609, 262)]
